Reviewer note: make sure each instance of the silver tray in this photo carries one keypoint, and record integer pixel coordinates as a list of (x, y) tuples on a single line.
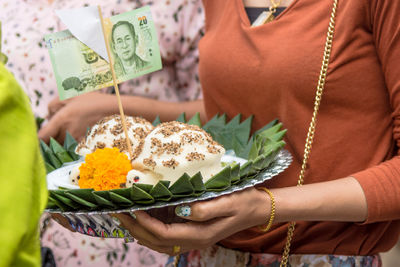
[(100, 223)]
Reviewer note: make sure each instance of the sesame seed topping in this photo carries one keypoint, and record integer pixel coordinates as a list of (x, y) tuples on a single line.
[(170, 163), (172, 148), (117, 129), (195, 156), (149, 162), (121, 144), (100, 145), (213, 149), (138, 149), (140, 132)]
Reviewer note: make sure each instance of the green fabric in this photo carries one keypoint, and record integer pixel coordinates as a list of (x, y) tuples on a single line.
[(23, 190)]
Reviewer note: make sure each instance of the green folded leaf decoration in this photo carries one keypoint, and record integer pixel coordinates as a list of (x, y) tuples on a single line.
[(245, 169), (260, 149), (235, 174), (165, 183), (63, 198), (157, 121), (220, 181), (103, 199), (85, 194), (51, 203), (69, 145), (160, 192), (119, 197), (182, 187), (49, 156), (49, 167), (195, 120), (58, 204), (89, 204), (61, 154), (145, 187), (139, 195), (197, 183), (182, 118)]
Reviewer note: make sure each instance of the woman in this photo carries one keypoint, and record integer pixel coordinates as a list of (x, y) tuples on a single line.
[(179, 25), (348, 211)]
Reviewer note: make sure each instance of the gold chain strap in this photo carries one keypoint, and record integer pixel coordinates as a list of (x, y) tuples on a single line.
[(274, 6), (311, 129)]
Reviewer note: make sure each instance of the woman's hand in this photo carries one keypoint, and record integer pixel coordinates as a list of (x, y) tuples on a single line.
[(208, 222), (55, 105), (76, 114)]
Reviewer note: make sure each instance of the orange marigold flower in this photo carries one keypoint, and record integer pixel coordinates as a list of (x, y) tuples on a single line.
[(104, 169)]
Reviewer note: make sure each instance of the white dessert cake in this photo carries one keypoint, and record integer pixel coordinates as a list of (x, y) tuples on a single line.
[(108, 132), (172, 149)]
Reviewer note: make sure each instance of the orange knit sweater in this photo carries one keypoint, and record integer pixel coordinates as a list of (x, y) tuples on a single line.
[(272, 70)]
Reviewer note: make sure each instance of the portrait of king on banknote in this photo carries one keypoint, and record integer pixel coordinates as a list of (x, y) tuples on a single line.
[(123, 43), (134, 45)]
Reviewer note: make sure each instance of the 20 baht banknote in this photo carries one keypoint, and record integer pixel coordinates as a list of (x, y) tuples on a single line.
[(134, 51)]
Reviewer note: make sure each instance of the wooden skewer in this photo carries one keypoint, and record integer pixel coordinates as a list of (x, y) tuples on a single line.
[(114, 77)]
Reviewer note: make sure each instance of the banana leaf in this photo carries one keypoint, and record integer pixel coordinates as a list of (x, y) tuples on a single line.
[(195, 120), (220, 181), (160, 192), (61, 154), (198, 185), (157, 121), (140, 196), (182, 118), (49, 155), (49, 167), (69, 145), (182, 187)]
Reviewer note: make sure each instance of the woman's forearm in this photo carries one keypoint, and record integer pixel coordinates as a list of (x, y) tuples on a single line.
[(150, 108), (338, 200)]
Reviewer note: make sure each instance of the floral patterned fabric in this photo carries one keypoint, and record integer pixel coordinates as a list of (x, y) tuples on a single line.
[(179, 25), (74, 249), (218, 256)]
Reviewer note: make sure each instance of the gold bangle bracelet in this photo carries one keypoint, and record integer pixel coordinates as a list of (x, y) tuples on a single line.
[(272, 216)]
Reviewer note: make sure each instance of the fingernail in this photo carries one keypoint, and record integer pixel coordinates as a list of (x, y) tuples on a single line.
[(183, 211), (132, 215)]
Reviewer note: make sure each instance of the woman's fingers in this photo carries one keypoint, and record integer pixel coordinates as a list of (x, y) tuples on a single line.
[(146, 228), (208, 222), (149, 230), (55, 105), (148, 239), (189, 235), (207, 210), (51, 129), (136, 230)]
